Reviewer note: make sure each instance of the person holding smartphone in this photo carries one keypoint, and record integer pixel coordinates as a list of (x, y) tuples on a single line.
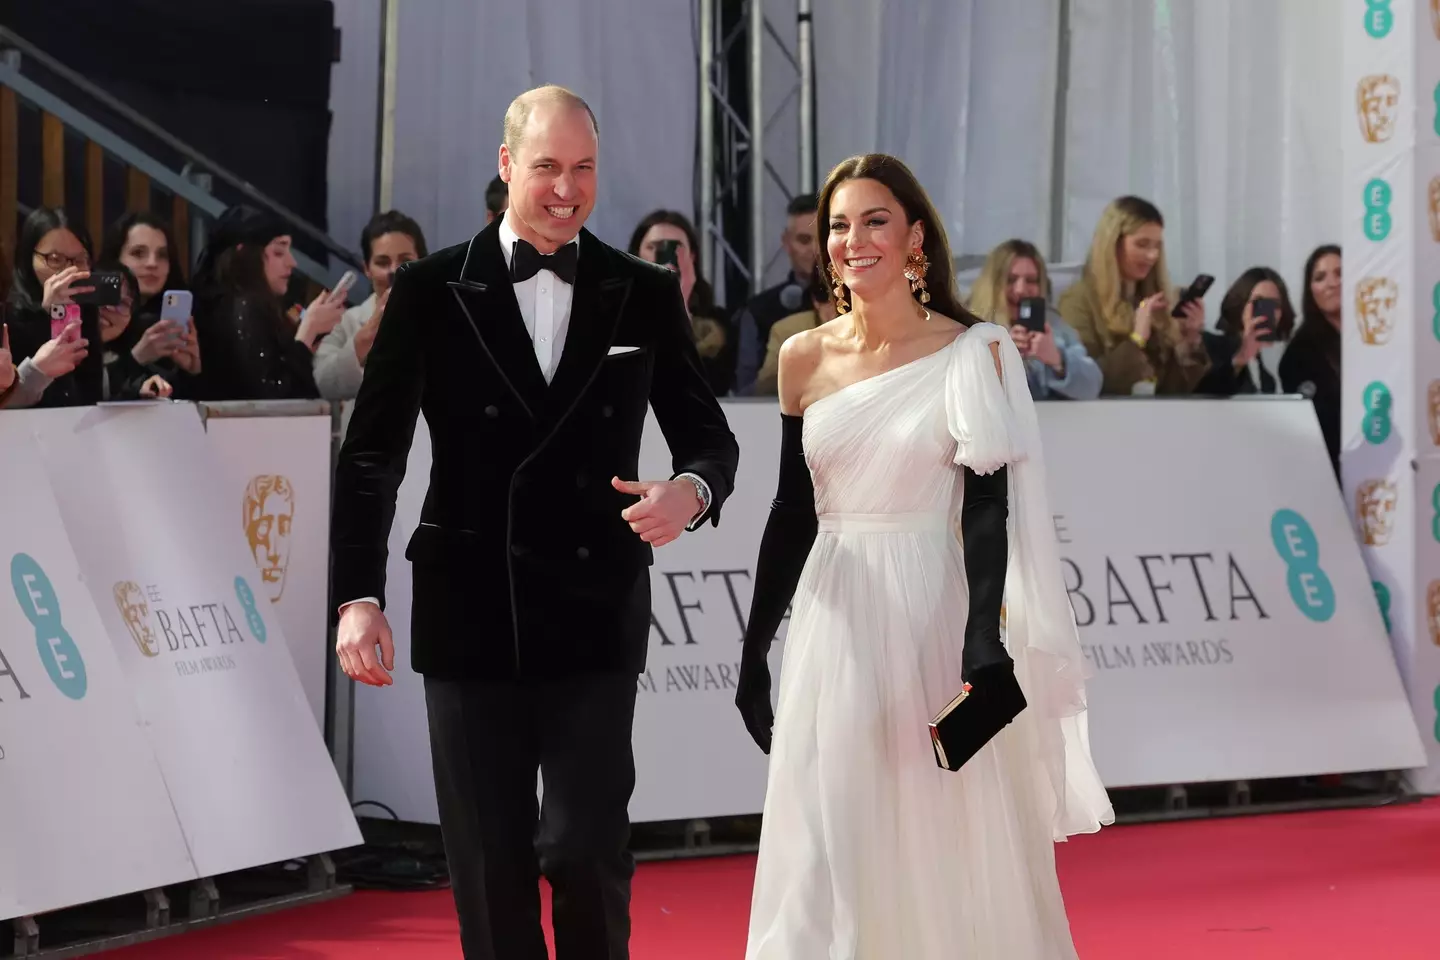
[(1011, 291), (1256, 312), (50, 332), (389, 241), (1144, 334), (668, 238)]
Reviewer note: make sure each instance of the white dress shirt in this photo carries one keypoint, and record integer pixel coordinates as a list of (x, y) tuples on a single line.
[(545, 306)]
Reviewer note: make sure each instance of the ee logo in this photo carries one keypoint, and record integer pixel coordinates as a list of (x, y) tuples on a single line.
[(1435, 294), (1378, 197), (1376, 425), (1437, 714), (246, 596), (42, 608), (1309, 586), (1382, 597), (1379, 19), (1435, 516)]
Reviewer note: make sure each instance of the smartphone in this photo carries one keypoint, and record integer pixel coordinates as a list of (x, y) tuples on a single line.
[(62, 315), (667, 253), (106, 292), (347, 280), (177, 307), (1266, 313), (1196, 291), (1032, 314)]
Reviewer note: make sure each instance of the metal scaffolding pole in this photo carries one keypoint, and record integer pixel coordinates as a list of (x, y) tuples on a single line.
[(756, 42), (707, 137), (735, 111), (805, 48)]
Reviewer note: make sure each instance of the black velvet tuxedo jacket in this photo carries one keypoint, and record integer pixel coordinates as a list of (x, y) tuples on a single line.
[(522, 564)]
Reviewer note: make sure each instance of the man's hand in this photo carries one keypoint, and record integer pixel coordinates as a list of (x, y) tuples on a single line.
[(362, 627), (665, 507)]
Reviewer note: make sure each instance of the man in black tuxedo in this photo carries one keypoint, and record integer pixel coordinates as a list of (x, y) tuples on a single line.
[(533, 351)]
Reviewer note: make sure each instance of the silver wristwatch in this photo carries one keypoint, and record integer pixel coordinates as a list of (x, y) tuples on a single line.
[(701, 491)]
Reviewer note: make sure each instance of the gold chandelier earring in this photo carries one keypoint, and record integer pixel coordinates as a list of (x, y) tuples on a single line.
[(916, 266), (839, 288)]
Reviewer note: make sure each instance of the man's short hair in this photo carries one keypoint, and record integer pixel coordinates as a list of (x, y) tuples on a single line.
[(497, 195), (391, 221), (522, 106), (802, 204)]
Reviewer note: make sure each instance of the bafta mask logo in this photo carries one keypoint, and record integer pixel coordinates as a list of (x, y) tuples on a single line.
[(269, 515), (1375, 299), (1375, 510), (1433, 398), (135, 611), (1432, 609), (1434, 203), (1377, 101)]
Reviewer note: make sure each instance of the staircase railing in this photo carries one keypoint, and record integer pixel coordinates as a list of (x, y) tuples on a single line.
[(194, 205)]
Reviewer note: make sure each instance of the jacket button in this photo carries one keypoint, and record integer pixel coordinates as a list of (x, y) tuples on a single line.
[(517, 550), (492, 411), (583, 553), (607, 411)]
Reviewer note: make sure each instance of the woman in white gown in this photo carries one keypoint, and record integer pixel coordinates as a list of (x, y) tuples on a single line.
[(910, 455)]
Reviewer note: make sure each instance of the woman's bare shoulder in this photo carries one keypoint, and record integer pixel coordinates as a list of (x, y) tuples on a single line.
[(800, 357)]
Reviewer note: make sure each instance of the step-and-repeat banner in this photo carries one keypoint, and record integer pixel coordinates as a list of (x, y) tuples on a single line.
[(1220, 592), (278, 493), (173, 737), (1391, 330)]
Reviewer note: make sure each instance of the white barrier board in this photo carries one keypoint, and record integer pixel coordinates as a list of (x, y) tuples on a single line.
[(84, 813), (152, 521), (278, 494), (1224, 607)]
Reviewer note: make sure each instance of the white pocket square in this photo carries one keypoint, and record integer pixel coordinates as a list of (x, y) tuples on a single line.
[(618, 351)]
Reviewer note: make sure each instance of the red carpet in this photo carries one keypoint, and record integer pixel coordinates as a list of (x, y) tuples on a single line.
[(1342, 885)]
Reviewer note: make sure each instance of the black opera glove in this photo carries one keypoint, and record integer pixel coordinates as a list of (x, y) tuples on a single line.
[(784, 548), (984, 541)]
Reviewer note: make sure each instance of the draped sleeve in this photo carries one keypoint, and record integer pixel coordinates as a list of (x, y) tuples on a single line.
[(992, 419)]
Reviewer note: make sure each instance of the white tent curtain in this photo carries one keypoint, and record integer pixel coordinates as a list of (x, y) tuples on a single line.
[(1225, 113), (460, 64)]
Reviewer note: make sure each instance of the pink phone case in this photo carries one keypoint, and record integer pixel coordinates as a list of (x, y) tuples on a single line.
[(61, 316)]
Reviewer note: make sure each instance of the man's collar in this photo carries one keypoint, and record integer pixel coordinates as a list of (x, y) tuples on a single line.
[(508, 238)]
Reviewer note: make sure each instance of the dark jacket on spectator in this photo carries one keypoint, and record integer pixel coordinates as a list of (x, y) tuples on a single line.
[(248, 352), (1222, 379), (753, 322), (1311, 367), (30, 330)]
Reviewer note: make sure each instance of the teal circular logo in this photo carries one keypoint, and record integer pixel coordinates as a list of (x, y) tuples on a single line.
[(1310, 588), (1378, 403), (1379, 18), (42, 608), (1382, 597), (1435, 515), (1378, 197), (1436, 731), (246, 596), (1435, 302)]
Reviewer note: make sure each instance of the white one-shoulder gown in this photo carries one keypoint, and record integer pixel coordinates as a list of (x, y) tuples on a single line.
[(869, 850)]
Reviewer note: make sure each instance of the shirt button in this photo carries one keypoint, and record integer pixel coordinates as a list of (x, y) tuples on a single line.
[(583, 553), (544, 339)]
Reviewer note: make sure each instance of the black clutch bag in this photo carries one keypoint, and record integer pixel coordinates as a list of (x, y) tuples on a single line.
[(976, 715)]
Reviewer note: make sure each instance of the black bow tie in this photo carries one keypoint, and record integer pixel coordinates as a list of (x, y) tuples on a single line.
[(526, 261)]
